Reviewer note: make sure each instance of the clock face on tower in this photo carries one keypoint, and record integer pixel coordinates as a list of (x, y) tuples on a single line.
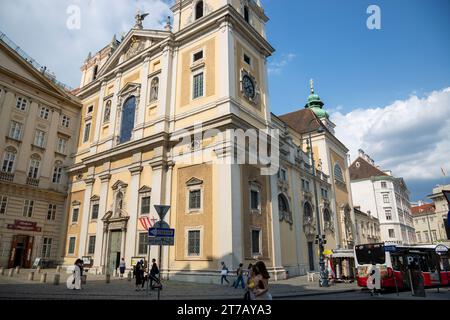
[(249, 87)]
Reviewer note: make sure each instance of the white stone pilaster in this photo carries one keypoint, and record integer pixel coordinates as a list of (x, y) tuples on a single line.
[(99, 238), (139, 133), (164, 265), (85, 217), (113, 120), (297, 216), (99, 118), (227, 63), (133, 211), (276, 236)]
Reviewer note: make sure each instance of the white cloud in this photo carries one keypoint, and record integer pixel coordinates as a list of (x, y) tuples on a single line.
[(410, 137), (276, 67), (40, 28)]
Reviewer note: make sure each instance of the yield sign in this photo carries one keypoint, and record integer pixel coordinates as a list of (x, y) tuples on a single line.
[(161, 211)]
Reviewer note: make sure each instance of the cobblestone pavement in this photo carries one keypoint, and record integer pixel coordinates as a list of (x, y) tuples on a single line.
[(19, 287)]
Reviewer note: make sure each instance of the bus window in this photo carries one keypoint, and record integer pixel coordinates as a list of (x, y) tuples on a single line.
[(424, 264), (370, 254), (397, 263)]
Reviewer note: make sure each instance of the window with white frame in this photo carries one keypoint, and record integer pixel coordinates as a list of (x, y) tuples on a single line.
[(75, 213), (388, 213), (247, 59), (195, 199), (87, 132), (44, 112), (145, 203), (143, 243), (57, 172), (21, 103), (305, 185), (35, 163), (391, 233), (51, 212), (15, 130), (197, 56), (91, 245), (3, 204), (39, 138), (28, 206), (71, 249), (255, 199), (324, 193), (256, 242), (338, 173), (386, 198), (199, 10), (65, 121), (61, 145), (198, 85), (95, 206), (427, 236), (89, 110), (8, 160), (434, 235), (47, 247), (194, 243), (384, 184)]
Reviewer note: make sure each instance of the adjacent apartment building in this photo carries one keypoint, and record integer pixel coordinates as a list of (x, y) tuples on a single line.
[(385, 197), (38, 133)]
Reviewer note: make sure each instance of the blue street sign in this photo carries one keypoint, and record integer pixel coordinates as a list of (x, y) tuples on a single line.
[(161, 233), (390, 248)]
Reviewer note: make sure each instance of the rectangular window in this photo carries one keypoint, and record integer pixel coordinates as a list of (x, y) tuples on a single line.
[(388, 214), (391, 233), (46, 247), (57, 174), (95, 208), (21, 103), (71, 245), (8, 162), (419, 238), (143, 243), (51, 212), (44, 113), (65, 121), (385, 198), (305, 185), (254, 200), (194, 243), (39, 138), (384, 184), (91, 246), (145, 205), (324, 193), (198, 56), (87, 131), (28, 208), (427, 237), (256, 238), (90, 109), (61, 147), (434, 235), (3, 204), (34, 169), (75, 213), (282, 175), (247, 60), (198, 85), (195, 199), (15, 131)]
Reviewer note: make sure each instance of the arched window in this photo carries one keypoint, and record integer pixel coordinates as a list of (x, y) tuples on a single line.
[(154, 89), (283, 208), (107, 113), (128, 113), (8, 159), (326, 215), (338, 174), (246, 14), (35, 163), (199, 10), (308, 215)]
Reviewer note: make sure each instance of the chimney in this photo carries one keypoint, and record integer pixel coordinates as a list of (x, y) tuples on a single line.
[(361, 153)]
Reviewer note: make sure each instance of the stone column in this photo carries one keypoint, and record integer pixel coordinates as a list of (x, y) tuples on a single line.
[(123, 242), (85, 216), (165, 264), (139, 133), (99, 237), (227, 64), (276, 236), (113, 119), (99, 118), (164, 95), (133, 211), (105, 240), (297, 217)]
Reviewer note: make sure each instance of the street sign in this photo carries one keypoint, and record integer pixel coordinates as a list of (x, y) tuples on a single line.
[(390, 248), (160, 241), (161, 225), (161, 211), (161, 233), (441, 249)]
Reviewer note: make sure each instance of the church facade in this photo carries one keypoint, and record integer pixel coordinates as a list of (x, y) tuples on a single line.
[(150, 103)]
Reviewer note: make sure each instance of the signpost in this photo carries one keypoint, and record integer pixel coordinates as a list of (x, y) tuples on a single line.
[(160, 235)]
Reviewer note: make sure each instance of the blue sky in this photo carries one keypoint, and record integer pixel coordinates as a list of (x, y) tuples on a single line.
[(388, 90)]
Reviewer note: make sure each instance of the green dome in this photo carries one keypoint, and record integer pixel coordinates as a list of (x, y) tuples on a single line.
[(315, 104), (320, 112)]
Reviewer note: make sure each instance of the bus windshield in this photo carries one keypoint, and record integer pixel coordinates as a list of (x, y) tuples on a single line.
[(370, 254)]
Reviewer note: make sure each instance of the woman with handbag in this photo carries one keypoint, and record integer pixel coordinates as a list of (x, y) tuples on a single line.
[(224, 273)]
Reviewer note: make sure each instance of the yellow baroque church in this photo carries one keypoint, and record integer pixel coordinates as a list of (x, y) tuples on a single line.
[(144, 94)]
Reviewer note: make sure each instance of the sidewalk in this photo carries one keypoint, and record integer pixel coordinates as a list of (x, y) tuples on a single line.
[(19, 287)]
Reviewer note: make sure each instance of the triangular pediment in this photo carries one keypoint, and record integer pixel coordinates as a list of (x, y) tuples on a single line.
[(145, 189), (11, 62), (194, 181), (129, 88), (134, 44), (95, 198), (119, 183)]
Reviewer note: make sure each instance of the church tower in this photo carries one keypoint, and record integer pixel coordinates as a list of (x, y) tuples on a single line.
[(315, 104)]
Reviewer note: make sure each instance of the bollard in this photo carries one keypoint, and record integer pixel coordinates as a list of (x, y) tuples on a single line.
[(56, 279), (83, 279), (31, 276), (38, 269), (44, 277), (129, 275), (17, 269), (108, 278), (2, 271), (10, 272)]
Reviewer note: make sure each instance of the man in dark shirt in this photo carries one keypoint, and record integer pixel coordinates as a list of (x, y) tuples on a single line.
[(153, 272)]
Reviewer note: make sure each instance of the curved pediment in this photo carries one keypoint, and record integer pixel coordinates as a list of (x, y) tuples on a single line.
[(119, 184)]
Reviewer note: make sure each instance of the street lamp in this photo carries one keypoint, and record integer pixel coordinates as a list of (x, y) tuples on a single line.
[(320, 239)]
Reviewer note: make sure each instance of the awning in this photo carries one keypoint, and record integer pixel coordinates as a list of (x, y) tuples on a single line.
[(343, 254)]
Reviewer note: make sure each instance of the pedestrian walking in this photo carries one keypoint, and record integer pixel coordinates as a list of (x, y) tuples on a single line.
[(153, 272), (240, 277), (261, 282), (250, 284), (74, 281), (224, 273), (139, 273), (122, 267)]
